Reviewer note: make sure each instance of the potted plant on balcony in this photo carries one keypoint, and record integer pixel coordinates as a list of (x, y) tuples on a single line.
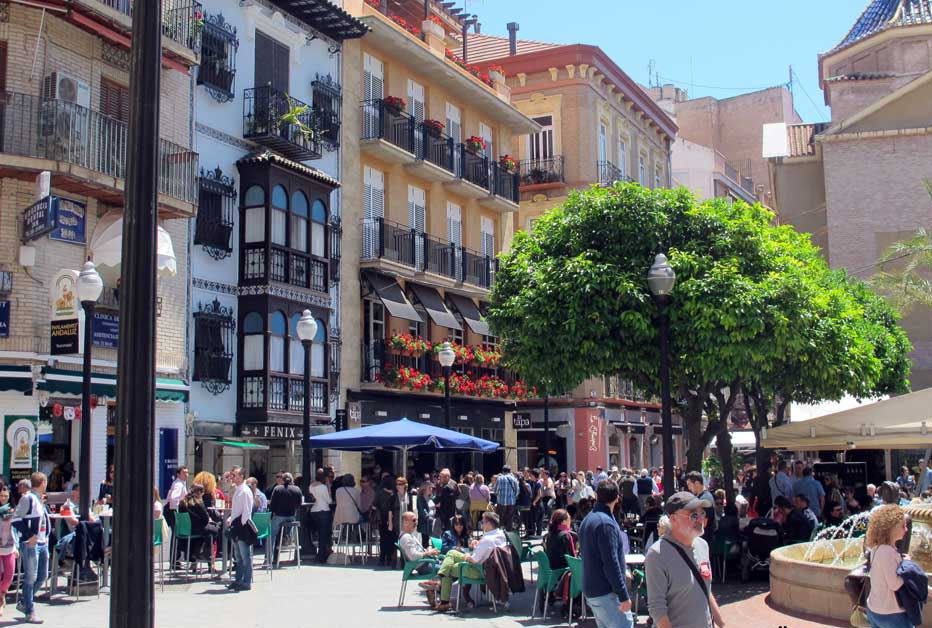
[(475, 144), (497, 73), (394, 104), (292, 123), (508, 163), (434, 127)]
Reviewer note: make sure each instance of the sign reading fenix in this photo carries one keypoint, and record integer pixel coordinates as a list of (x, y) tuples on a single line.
[(64, 337), (266, 430)]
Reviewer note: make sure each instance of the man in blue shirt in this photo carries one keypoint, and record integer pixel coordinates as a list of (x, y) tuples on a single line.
[(599, 477), (781, 484), (812, 489), (604, 562), (506, 495), (925, 478)]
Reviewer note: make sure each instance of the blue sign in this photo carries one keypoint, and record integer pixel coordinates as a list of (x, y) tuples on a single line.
[(70, 220), (106, 331), (4, 319), (168, 458)]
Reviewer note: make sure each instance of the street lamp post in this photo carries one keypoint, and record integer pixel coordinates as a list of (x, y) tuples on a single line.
[(307, 330), (447, 357), (661, 279), (89, 288)]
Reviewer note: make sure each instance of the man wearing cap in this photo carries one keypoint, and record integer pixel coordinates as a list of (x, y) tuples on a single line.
[(599, 477), (679, 576), (603, 559)]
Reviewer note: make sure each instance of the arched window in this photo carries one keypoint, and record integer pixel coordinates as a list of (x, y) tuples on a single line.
[(253, 349), (254, 203), (299, 221), (278, 329), (319, 229), (319, 351), (279, 215), (296, 349)]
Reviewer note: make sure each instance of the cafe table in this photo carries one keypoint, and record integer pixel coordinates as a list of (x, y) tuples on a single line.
[(106, 520)]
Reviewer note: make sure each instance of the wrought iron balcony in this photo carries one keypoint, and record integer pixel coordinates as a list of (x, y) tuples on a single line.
[(435, 147), (280, 122), (542, 171), (474, 168), (380, 121), (260, 265), (505, 184), (65, 132), (609, 173), (182, 20)]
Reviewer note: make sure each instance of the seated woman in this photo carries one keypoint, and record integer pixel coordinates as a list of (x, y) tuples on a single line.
[(834, 514), (203, 523), (560, 542), (457, 537)]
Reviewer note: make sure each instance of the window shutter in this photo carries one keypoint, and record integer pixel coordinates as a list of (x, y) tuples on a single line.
[(454, 224), (114, 100), (272, 60), (280, 75), (485, 132), (487, 228), (3, 62), (416, 100), (372, 78)]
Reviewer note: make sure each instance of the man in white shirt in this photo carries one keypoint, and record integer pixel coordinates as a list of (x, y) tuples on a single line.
[(321, 516), (240, 516), (33, 523), (175, 494), (492, 538)]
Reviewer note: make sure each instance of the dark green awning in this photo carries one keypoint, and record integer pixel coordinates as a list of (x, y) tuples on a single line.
[(240, 444), (63, 382), (16, 379)]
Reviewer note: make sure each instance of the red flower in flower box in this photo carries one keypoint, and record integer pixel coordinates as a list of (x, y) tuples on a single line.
[(436, 20), (475, 144), (434, 127), (508, 163), (394, 104)]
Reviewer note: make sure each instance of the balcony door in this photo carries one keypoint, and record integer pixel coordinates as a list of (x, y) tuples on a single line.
[(272, 59), (622, 157), (455, 130), (540, 145), (373, 86), (455, 236), (374, 210), (417, 221), (603, 143), (485, 132), (487, 229), (416, 110), (374, 341)]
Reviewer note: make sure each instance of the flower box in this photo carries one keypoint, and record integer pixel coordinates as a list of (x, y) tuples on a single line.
[(475, 144), (508, 163), (394, 104), (434, 127), (432, 27)]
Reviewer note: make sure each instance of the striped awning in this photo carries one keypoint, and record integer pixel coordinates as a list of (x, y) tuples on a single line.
[(16, 379), (62, 382)]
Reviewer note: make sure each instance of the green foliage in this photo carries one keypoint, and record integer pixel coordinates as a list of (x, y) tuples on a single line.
[(294, 119), (712, 466)]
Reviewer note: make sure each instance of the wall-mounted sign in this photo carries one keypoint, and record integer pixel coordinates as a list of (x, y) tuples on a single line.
[(270, 430), (19, 446), (64, 294), (521, 420), (65, 337), (4, 319), (106, 330), (38, 219), (70, 220)]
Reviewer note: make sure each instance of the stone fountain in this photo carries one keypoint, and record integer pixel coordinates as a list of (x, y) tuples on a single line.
[(810, 577)]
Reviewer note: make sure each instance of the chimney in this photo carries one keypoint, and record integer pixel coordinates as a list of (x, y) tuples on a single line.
[(478, 28), (513, 38)]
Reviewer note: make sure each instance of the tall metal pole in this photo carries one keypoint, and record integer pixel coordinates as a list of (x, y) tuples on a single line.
[(132, 595), (446, 396), (663, 322), (84, 477), (546, 431), (306, 421)]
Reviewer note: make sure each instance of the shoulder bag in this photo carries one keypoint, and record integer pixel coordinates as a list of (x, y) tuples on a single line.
[(363, 516), (696, 574)]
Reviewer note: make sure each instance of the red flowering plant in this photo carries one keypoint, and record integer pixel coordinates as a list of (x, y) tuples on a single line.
[(486, 358), (403, 23), (491, 386), (475, 144), (374, 3), (497, 68), (436, 20), (406, 377), (508, 163), (434, 127), (409, 344), (394, 104), (520, 391)]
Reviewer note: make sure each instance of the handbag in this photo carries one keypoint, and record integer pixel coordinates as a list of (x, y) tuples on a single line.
[(859, 617)]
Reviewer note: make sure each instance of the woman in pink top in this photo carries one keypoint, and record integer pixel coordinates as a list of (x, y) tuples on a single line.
[(479, 496), (887, 526)]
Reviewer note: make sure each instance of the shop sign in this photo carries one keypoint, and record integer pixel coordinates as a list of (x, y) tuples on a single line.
[(521, 420), (65, 337), (38, 219), (64, 295), (106, 330), (267, 430), (354, 414), (4, 319), (70, 220), (19, 446), (168, 451)]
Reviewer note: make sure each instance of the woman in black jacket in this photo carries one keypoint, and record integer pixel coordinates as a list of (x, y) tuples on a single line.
[(559, 543), (203, 523), (386, 502)]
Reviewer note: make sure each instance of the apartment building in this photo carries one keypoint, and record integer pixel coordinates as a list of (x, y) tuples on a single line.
[(63, 149), (857, 182), (428, 199), (597, 127), (266, 243)]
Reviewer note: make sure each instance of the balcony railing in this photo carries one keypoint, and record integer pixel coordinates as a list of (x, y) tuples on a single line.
[(383, 239), (436, 148), (474, 168), (538, 171), (63, 131), (504, 183), (377, 356), (182, 20), (285, 394), (284, 266), (280, 122), (379, 121), (609, 173)]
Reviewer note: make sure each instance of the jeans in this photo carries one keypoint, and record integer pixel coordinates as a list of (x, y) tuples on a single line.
[(606, 613), (323, 524), (243, 569), (507, 515), (894, 620), (277, 521), (35, 571)]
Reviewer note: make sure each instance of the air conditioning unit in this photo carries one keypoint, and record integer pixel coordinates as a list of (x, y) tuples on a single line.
[(60, 86)]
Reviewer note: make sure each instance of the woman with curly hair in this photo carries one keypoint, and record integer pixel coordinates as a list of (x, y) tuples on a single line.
[(887, 526), (209, 481)]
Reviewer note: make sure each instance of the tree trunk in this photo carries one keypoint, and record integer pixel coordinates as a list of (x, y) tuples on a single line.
[(723, 444), (696, 445)]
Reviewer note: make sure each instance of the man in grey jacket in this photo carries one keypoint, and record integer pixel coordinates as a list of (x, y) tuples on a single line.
[(679, 576)]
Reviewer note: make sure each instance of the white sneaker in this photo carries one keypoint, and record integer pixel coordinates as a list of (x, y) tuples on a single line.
[(34, 619), (507, 605)]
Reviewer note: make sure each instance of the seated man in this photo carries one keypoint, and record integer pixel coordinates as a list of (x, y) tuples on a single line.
[(800, 523), (412, 549), (492, 538), (65, 549)]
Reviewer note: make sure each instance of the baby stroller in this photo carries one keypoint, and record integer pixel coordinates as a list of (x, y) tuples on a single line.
[(761, 536)]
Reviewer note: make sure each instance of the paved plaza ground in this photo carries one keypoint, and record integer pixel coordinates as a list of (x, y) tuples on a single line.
[(337, 596)]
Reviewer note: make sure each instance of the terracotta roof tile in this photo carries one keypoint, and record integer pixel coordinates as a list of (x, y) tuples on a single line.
[(482, 48), (270, 157), (861, 76), (801, 138), (880, 15)]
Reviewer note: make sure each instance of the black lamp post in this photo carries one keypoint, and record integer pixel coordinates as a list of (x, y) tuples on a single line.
[(547, 432), (307, 330), (89, 288), (661, 280), (447, 356)]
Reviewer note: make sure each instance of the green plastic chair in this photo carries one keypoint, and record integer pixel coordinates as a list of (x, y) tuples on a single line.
[(548, 579), (721, 550), (409, 575), (639, 586), (576, 574), (466, 574), (183, 532), (263, 521), (157, 545), (436, 543), (524, 549)]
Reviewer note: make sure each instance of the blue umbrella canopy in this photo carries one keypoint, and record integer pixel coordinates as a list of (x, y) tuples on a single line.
[(404, 435)]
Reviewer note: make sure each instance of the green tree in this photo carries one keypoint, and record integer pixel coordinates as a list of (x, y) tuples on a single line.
[(571, 299)]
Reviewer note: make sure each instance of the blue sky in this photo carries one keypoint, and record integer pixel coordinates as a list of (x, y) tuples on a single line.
[(713, 44)]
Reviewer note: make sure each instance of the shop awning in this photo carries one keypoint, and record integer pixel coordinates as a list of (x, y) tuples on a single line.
[(62, 382), (16, 379), (392, 297), (236, 444), (470, 314), (435, 306)]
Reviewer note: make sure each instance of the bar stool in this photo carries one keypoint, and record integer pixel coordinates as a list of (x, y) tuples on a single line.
[(345, 539), (294, 533)]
